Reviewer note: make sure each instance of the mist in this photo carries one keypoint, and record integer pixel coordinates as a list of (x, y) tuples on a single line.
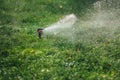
[(102, 21)]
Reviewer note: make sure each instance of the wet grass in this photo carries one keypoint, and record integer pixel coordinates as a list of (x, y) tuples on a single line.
[(23, 56)]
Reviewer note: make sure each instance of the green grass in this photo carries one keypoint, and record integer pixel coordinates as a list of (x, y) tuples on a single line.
[(23, 56)]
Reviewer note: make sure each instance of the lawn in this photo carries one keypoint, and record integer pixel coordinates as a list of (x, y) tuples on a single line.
[(93, 54)]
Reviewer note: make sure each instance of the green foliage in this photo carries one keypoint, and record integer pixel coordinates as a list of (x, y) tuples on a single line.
[(23, 56)]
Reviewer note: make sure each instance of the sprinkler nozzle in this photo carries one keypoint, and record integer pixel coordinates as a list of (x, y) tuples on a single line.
[(40, 32)]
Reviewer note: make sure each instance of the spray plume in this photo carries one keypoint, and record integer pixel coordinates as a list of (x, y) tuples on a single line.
[(104, 22), (63, 24)]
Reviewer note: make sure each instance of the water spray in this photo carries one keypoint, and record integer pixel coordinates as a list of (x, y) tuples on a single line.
[(102, 22), (65, 23)]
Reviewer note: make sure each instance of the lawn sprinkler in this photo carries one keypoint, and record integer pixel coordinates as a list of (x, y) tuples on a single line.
[(40, 32)]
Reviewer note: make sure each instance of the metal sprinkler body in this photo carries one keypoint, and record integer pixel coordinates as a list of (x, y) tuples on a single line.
[(40, 32)]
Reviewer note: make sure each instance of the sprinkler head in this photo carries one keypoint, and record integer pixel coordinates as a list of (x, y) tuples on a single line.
[(40, 32)]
